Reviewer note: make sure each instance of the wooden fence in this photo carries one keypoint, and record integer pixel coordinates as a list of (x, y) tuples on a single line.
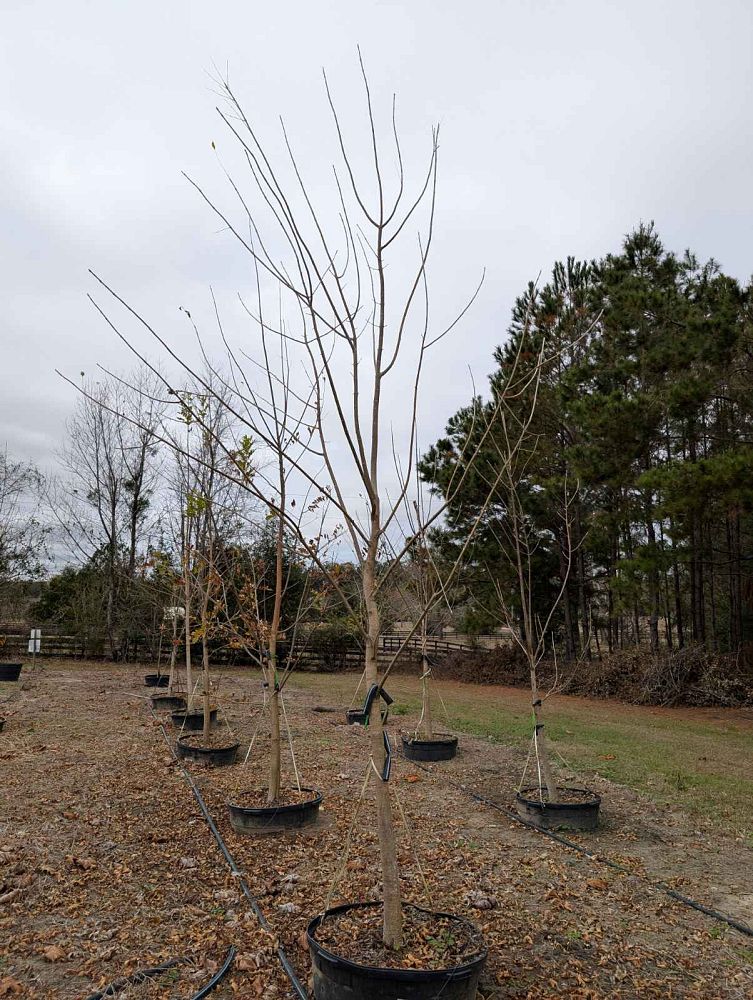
[(314, 655)]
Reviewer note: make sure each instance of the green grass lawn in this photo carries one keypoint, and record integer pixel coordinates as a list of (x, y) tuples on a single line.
[(700, 759)]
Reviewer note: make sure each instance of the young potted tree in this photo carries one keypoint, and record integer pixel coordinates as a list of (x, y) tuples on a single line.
[(359, 949), (209, 500), (174, 698), (362, 321), (545, 804), (272, 600), (527, 592), (275, 580), (425, 743)]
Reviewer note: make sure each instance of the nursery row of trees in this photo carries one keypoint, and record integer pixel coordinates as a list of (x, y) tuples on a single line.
[(636, 481)]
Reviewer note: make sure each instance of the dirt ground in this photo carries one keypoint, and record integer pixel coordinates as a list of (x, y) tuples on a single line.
[(107, 866)]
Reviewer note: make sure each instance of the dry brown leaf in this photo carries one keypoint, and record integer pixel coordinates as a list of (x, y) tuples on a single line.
[(54, 953)]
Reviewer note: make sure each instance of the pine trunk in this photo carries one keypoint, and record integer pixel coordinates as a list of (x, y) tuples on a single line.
[(653, 578)]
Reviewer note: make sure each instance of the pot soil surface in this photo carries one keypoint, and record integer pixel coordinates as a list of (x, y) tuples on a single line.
[(215, 741), (257, 798), (565, 796), (430, 940)]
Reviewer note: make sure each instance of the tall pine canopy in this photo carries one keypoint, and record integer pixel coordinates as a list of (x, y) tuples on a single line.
[(644, 429)]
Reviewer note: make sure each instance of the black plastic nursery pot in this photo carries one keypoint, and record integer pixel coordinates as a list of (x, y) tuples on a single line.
[(213, 756), (438, 748), (156, 680), (171, 702), (338, 978), (10, 671), (583, 815), (275, 818), (193, 721)]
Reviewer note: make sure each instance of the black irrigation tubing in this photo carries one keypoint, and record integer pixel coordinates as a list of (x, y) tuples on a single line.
[(579, 849), (142, 974), (218, 976), (137, 977), (284, 960)]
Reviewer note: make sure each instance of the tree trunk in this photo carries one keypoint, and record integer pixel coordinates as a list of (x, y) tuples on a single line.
[(275, 764), (678, 595), (653, 578), (273, 788), (712, 588), (542, 753), (173, 652), (393, 913), (205, 682), (427, 724), (187, 626), (697, 599), (735, 581), (581, 582)]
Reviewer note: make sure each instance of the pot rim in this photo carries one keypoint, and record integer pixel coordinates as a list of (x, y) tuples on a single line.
[(271, 810), (187, 746), (444, 738), (594, 800), (380, 972)]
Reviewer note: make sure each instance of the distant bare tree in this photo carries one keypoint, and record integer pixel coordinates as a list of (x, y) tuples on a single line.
[(112, 461), (22, 536)]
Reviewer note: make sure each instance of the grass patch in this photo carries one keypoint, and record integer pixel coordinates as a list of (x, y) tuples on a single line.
[(698, 760)]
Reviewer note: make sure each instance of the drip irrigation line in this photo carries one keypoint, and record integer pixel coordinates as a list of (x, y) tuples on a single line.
[(143, 974), (251, 899), (137, 977), (218, 976), (584, 851)]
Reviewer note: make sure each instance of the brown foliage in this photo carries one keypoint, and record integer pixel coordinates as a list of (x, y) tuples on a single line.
[(689, 676)]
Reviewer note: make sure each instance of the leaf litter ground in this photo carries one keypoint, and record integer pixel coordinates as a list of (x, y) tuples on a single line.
[(106, 865)]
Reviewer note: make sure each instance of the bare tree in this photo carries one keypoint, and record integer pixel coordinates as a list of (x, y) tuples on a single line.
[(529, 629), (212, 506), (22, 536), (112, 461), (356, 339)]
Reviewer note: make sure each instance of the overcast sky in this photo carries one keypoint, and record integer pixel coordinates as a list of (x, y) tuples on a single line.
[(563, 124)]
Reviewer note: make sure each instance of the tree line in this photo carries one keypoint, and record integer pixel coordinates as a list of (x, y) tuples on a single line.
[(634, 478), (635, 482)]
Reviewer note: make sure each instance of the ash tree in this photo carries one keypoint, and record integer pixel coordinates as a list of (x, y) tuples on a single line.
[(350, 285)]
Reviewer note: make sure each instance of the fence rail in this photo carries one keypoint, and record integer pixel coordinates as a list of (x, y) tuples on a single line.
[(333, 655)]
